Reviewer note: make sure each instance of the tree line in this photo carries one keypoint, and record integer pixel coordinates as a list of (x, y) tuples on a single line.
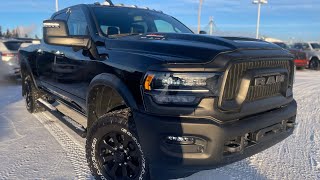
[(13, 33)]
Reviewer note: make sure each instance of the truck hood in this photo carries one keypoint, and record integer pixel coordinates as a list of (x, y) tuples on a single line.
[(184, 48)]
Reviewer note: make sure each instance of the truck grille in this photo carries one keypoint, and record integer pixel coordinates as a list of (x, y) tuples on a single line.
[(238, 70)]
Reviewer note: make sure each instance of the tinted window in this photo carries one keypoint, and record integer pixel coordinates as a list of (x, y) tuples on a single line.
[(315, 45), (303, 46), (128, 21), (77, 22), (12, 45), (61, 16), (164, 26)]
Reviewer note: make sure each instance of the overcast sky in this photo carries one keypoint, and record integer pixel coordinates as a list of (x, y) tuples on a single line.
[(282, 19)]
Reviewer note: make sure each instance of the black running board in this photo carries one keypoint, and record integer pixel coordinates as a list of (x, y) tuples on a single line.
[(68, 121)]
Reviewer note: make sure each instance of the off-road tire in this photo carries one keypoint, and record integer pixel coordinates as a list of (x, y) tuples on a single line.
[(111, 141), (31, 95)]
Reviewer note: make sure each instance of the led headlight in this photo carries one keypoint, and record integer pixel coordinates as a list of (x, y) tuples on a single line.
[(181, 88)]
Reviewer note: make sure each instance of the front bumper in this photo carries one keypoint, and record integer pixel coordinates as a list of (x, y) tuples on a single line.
[(210, 144)]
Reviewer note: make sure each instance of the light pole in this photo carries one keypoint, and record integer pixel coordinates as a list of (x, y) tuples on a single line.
[(57, 6), (211, 23), (199, 16), (259, 2)]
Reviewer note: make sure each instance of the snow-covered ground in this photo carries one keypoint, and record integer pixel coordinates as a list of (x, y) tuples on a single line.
[(41, 147)]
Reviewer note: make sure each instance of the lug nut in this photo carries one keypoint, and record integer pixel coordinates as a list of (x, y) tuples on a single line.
[(121, 147)]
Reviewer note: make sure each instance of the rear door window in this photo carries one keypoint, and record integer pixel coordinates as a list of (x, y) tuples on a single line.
[(12, 45)]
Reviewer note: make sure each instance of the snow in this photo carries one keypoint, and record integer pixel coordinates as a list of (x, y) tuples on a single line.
[(38, 146)]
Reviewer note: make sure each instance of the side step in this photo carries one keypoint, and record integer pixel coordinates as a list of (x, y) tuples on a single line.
[(67, 120)]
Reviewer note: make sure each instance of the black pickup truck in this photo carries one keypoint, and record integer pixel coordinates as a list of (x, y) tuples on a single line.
[(153, 99)]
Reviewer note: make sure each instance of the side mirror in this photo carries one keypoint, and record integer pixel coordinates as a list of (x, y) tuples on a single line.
[(203, 32), (55, 32)]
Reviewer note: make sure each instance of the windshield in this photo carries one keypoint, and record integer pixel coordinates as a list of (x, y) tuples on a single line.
[(115, 22), (315, 45), (283, 45), (12, 45)]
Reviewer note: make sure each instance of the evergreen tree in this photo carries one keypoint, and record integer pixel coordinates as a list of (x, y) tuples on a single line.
[(36, 37), (14, 33), (1, 31), (8, 34)]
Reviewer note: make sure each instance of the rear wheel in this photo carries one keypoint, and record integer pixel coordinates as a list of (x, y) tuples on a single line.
[(113, 149), (30, 96), (314, 64)]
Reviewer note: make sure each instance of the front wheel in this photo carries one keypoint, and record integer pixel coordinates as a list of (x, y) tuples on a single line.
[(314, 64), (113, 149)]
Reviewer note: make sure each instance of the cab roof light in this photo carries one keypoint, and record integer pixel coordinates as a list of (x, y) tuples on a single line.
[(110, 3)]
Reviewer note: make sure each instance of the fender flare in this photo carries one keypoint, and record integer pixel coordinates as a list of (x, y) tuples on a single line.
[(114, 83)]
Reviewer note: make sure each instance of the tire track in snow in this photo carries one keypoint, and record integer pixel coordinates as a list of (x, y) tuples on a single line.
[(74, 151)]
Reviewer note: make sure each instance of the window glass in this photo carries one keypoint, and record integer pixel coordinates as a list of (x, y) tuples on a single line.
[(297, 46), (164, 26), (77, 22), (12, 45), (305, 46), (315, 45), (116, 22)]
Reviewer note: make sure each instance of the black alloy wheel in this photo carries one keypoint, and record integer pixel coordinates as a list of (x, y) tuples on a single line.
[(119, 156)]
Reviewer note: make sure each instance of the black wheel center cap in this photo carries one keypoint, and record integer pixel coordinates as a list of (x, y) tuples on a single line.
[(119, 156)]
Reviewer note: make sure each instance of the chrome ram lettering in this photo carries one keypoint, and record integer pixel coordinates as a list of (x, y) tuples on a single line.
[(261, 81)]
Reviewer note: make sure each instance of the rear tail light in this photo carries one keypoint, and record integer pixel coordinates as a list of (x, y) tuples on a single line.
[(8, 54)]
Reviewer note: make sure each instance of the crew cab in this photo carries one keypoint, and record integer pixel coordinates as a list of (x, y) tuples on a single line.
[(153, 99)]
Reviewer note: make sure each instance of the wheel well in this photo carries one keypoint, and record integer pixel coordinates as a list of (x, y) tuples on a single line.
[(101, 100), (314, 58)]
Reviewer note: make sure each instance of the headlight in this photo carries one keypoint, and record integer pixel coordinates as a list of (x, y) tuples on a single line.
[(181, 88)]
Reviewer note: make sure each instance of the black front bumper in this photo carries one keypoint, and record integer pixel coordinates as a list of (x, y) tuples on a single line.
[(208, 144)]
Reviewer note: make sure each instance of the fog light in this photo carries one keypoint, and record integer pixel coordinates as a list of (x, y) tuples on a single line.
[(180, 140)]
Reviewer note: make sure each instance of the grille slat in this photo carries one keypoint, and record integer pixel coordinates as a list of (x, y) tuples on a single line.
[(238, 70)]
